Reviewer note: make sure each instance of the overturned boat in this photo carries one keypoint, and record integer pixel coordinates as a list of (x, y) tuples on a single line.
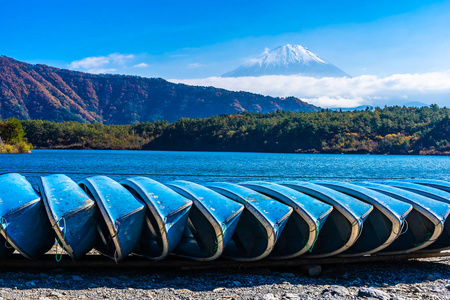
[(24, 223), (72, 214), (425, 222), (387, 218), (165, 220), (443, 242), (303, 230), (260, 225), (211, 224), (347, 234), (122, 216), (437, 184)]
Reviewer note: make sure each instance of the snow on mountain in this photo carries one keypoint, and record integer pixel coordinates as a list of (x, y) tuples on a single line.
[(288, 60)]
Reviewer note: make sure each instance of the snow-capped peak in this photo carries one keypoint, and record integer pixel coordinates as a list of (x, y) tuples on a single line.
[(287, 54), (287, 60)]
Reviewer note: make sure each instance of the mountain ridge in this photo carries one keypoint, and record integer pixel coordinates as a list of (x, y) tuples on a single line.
[(288, 60), (39, 91)]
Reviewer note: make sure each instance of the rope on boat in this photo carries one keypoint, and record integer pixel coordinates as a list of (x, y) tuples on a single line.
[(57, 241), (317, 236), (4, 224), (217, 242)]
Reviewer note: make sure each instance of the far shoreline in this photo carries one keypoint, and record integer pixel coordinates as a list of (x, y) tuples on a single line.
[(243, 151)]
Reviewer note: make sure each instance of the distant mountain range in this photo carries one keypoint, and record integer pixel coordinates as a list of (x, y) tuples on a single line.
[(357, 108), (415, 104), (288, 60), (41, 92)]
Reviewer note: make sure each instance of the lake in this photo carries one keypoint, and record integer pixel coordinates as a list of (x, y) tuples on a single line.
[(203, 167)]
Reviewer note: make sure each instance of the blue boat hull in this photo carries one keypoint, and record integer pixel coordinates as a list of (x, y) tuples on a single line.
[(260, 225), (349, 218), (388, 216), (302, 231), (165, 220), (24, 221), (71, 212), (212, 221), (121, 217), (425, 222)]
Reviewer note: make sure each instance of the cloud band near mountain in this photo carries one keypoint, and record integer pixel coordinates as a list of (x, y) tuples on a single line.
[(343, 92)]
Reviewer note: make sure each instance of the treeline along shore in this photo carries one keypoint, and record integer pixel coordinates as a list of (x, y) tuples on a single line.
[(389, 130)]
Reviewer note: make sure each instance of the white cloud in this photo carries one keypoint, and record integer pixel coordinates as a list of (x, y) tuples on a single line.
[(141, 65), (195, 65), (102, 64), (101, 71), (342, 92)]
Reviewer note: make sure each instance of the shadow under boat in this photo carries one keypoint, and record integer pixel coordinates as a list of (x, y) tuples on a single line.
[(346, 236), (24, 223), (386, 221), (122, 216), (303, 230), (166, 217), (260, 225), (72, 214), (425, 222), (443, 241), (211, 224)]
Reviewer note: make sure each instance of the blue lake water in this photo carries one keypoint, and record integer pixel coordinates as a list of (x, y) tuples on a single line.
[(202, 167)]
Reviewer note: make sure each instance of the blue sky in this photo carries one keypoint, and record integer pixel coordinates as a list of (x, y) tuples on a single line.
[(202, 39)]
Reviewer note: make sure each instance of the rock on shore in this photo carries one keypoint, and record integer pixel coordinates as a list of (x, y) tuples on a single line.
[(405, 279)]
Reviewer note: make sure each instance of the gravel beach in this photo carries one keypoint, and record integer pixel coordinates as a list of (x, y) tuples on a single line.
[(427, 278)]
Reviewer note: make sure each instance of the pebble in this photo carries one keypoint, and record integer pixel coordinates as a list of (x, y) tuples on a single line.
[(55, 294), (415, 289), (77, 278), (269, 296), (396, 280), (336, 290), (434, 276), (291, 296), (373, 293), (59, 277), (312, 270)]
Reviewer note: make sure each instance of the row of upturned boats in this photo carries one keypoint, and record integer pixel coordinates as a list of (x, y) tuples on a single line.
[(246, 221)]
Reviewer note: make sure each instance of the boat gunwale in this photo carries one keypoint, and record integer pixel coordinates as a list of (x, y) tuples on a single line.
[(4, 232), (355, 222), (396, 220), (416, 188), (432, 217), (268, 226), (129, 182), (106, 216), (302, 212), (54, 219), (217, 226), (333, 202)]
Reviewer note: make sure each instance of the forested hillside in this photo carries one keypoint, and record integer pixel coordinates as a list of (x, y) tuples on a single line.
[(41, 92), (395, 130)]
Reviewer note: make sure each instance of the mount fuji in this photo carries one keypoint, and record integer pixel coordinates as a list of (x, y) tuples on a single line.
[(288, 60)]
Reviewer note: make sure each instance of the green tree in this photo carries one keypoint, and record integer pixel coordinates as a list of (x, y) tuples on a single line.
[(11, 131)]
